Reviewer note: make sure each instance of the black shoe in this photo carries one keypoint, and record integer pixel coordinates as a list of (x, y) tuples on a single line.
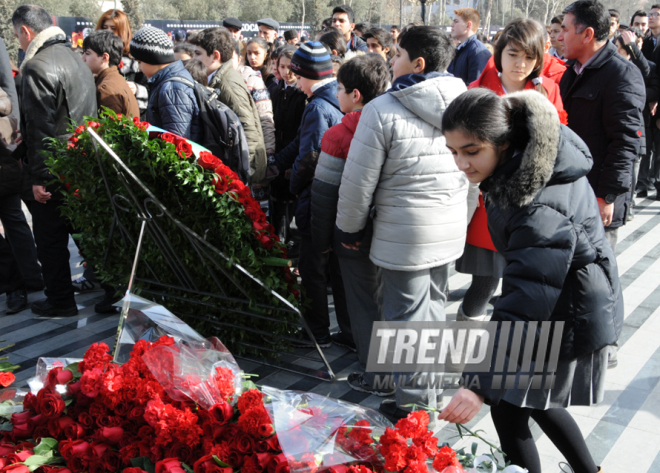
[(390, 410), (643, 193), (356, 382), (16, 301), (46, 308), (306, 342), (339, 339), (106, 305)]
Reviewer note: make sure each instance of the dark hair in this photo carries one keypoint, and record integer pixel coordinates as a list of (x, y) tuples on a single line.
[(430, 43), (122, 27), (482, 37), (362, 27), (105, 41), (529, 36), (215, 39), (368, 73), (395, 27), (489, 118), (590, 14), (287, 52), (184, 48), (614, 14), (327, 23), (32, 16), (655, 7), (334, 40), (267, 67), (345, 9), (557, 19), (382, 36), (637, 13), (179, 35), (198, 71), (634, 29), (290, 34)]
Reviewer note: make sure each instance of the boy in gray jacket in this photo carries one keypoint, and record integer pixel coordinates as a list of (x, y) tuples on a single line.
[(399, 165)]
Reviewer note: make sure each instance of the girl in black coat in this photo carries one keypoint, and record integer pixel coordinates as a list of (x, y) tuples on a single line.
[(544, 220)]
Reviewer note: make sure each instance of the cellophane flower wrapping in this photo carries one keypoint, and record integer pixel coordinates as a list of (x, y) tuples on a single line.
[(316, 431), (148, 321), (44, 365), (202, 371)]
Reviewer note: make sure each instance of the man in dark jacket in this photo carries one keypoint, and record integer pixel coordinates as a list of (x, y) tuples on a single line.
[(172, 104), (343, 19), (604, 97), (471, 54), (57, 89)]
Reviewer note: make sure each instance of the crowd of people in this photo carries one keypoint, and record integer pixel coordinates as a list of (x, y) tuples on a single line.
[(382, 158)]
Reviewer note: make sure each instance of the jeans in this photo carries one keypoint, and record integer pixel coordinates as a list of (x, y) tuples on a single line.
[(51, 233), (415, 296), (312, 265), (19, 236)]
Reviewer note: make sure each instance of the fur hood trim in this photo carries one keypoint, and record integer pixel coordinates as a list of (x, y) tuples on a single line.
[(40, 40), (538, 160)]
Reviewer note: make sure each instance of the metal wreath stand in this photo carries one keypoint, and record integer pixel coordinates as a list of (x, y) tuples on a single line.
[(213, 260)]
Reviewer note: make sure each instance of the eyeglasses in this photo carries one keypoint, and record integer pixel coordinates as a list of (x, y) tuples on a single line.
[(654, 14)]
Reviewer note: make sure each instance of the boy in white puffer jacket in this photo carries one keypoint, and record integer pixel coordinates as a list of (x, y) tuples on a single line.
[(399, 164)]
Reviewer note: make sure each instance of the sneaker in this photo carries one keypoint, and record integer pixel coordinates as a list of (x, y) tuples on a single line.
[(16, 301), (82, 285), (390, 410), (106, 305), (306, 342), (341, 340), (461, 317), (46, 308), (357, 383), (613, 356)]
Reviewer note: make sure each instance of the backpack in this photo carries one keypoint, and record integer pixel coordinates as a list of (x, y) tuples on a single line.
[(223, 132)]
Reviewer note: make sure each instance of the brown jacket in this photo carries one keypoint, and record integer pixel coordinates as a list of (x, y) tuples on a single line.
[(113, 92)]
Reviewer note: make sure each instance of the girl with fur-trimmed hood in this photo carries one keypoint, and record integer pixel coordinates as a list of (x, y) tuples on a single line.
[(544, 220)]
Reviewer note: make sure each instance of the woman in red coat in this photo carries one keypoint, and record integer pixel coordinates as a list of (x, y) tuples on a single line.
[(517, 64)]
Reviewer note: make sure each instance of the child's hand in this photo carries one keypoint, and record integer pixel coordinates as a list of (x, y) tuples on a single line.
[(462, 408)]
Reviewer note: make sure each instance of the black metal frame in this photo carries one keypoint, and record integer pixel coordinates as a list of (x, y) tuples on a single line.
[(210, 257)]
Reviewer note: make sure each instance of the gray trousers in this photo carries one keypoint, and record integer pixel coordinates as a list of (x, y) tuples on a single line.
[(361, 279), (415, 296), (612, 235)]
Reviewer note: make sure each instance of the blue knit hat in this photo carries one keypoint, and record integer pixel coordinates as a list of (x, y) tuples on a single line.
[(312, 61)]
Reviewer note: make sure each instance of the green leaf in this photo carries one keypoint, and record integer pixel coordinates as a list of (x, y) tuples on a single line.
[(73, 367), (248, 384), (8, 366), (38, 460), (220, 462), (187, 468), (144, 463), (46, 444)]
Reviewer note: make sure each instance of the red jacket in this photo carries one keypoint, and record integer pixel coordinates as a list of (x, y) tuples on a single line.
[(553, 68), (477, 232)]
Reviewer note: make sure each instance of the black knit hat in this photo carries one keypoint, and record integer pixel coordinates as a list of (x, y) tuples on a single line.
[(312, 61), (290, 34), (152, 46)]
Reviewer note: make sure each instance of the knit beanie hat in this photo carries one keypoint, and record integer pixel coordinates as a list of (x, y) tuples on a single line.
[(312, 61), (152, 46)]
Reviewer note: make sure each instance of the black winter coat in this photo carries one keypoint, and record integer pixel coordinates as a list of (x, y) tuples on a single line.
[(544, 220), (604, 105), (288, 108), (57, 88)]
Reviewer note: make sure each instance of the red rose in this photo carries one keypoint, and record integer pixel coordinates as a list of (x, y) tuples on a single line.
[(235, 459), (208, 161), (6, 449), (51, 403), (222, 412), (74, 431), (19, 457), (111, 460), (278, 464), (133, 469), (6, 378), (169, 137), (74, 388), (7, 395), (21, 417), (169, 465), (53, 469), (71, 448), (245, 444), (57, 426), (184, 148), (111, 434), (207, 464), (77, 464), (16, 468)]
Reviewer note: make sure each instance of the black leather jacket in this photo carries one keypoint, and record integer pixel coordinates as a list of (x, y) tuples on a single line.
[(57, 87)]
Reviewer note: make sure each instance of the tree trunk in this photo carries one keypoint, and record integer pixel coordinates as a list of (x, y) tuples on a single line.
[(302, 23)]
